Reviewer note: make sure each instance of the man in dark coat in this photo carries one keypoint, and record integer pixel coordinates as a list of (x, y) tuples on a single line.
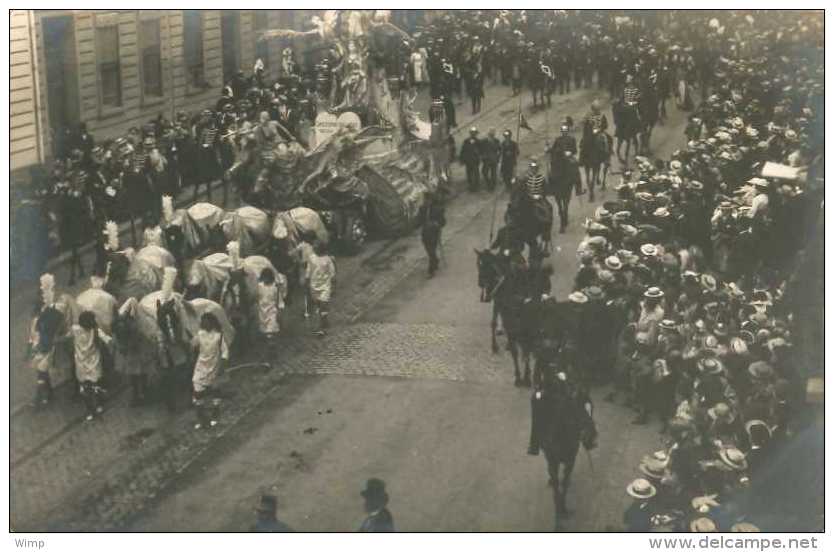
[(267, 521), (433, 219), (379, 519), (490, 152), (470, 156), (509, 158)]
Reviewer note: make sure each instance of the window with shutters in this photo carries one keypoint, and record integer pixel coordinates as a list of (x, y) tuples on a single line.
[(109, 72), (149, 40), (193, 47)]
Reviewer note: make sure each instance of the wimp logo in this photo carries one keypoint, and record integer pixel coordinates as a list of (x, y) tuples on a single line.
[(29, 543)]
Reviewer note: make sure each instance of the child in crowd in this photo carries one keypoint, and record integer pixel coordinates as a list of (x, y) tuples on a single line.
[(212, 352)]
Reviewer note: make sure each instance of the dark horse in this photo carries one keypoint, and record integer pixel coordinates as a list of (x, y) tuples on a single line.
[(212, 240), (532, 222), (561, 421), (629, 127), (504, 282)]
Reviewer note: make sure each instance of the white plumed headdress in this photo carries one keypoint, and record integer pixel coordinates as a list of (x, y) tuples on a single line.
[(112, 231), (48, 288)]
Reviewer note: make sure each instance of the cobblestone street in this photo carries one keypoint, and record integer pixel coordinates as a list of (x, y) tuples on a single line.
[(405, 388)]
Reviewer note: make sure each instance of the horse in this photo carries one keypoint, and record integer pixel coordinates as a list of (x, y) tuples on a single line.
[(560, 425), (135, 275), (649, 110), (190, 232), (175, 322), (595, 153), (135, 337), (249, 226), (207, 276), (504, 287), (237, 302), (532, 221), (289, 230), (627, 121), (101, 303)]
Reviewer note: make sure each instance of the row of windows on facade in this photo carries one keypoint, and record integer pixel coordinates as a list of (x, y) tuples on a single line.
[(107, 45)]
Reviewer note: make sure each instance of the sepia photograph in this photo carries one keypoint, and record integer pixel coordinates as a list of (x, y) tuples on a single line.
[(418, 271)]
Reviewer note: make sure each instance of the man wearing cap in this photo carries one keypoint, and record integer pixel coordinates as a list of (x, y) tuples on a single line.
[(470, 156), (379, 519), (509, 158), (490, 152)]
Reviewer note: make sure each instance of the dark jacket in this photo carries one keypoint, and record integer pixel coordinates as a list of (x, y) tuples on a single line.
[(380, 521), (490, 150), (470, 151)]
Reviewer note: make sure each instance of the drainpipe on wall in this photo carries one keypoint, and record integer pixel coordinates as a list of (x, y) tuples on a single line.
[(30, 16)]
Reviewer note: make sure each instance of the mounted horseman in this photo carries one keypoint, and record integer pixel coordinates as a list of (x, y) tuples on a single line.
[(532, 216), (629, 125), (595, 147), (561, 420), (564, 173)]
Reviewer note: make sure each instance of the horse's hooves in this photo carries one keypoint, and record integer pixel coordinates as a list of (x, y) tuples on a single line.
[(495, 349), (517, 382)]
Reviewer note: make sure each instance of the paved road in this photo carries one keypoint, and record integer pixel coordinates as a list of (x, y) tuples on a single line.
[(414, 396), (439, 420)]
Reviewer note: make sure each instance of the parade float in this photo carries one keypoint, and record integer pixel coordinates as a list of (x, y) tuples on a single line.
[(367, 159)]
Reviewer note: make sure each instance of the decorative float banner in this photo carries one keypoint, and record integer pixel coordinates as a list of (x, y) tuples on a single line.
[(327, 124)]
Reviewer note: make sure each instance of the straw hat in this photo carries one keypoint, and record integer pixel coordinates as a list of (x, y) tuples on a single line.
[(641, 489), (653, 293), (703, 525), (578, 297), (734, 458), (744, 527), (613, 263)]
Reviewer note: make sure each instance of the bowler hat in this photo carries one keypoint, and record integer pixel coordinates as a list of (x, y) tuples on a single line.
[(374, 488)]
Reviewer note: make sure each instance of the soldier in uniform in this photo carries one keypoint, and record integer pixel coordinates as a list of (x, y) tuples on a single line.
[(470, 156), (564, 173), (490, 150), (509, 158), (208, 163)]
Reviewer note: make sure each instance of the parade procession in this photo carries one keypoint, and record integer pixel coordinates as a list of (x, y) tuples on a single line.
[(419, 270)]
